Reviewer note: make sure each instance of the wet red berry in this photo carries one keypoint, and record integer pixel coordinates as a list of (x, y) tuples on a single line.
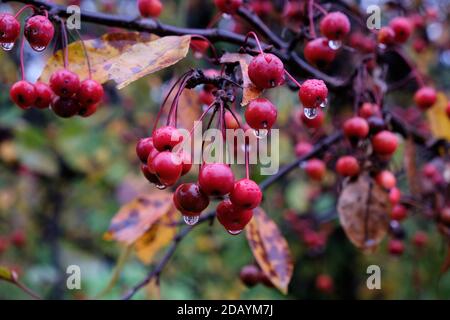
[(143, 148), (398, 212), (65, 83), (347, 166), (39, 32), (315, 169), (318, 53), (90, 92), (356, 128), (402, 28), (216, 179), (261, 114), (190, 199), (266, 71), (313, 93), (166, 138), (44, 95), (23, 94), (65, 107), (88, 110), (150, 8), (386, 36), (151, 177), (335, 26), (384, 143), (314, 123), (250, 275), (9, 28), (232, 218), (168, 167), (246, 194), (425, 98)]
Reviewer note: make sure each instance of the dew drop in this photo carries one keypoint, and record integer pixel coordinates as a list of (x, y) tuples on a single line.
[(335, 44), (324, 103), (234, 232), (160, 186), (38, 49), (7, 46), (190, 220), (226, 16), (260, 133), (311, 113), (382, 46)]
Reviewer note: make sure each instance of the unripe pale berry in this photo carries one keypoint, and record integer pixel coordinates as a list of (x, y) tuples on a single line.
[(347, 166), (216, 179), (425, 98), (318, 53), (266, 71), (261, 114), (335, 26), (313, 93), (384, 143), (246, 194), (23, 94)]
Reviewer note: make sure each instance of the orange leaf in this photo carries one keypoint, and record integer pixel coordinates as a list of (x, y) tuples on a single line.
[(157, 237), (439, 121), (270, 249), (137, 216), (250, 91)]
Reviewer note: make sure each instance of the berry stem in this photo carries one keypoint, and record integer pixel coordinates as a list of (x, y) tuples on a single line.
[(202, 116), (24, 8), (253, 34), (86, 55), (22, 63), (292, 78), (65, 44), (211, 45), (312, 30)]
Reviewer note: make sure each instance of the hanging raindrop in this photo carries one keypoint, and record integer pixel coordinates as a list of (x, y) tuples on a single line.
[(38, 49), (261, 133), (234, 232), (7, 46), (335, 44), (311, 113), (191, 220), (161, 186), (324, 103), (382, 46)]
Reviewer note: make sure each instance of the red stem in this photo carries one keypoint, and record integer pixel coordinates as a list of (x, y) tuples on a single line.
[(86, 55), (24, 8), (312, 30), (22, 64), (65, 42), (251, 33), (292, 78)]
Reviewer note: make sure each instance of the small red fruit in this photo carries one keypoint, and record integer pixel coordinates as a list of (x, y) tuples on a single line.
[(90, 92), (65, 107), (318, 53), (261, 114), (167, 167), (39, 32), (9, 28), (395, 195), (250, 275), (347, 166), (199, 46), (324, 283), (398, 212), (396, 247), (216, 179), (18, 238), (420, 239), (315, 169), (232, 218), (384, 143), (151, 177), (335, 26), (313, 93), (386, 179), (23, 94), (402, 28), (386, 36), (190, 199), (231, 122), (266, 71), (44, 95), (246, 194), (150, 8), (228, 6), (368, 110), (425, 98), (65, 83), (356, 128), (166, 138), (87, 110), (314, 123), (303, 148), (143, 148)]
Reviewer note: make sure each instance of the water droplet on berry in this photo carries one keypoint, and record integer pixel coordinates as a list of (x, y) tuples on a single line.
[(190, 220), (38, 49), (7, 46), (260, 133), (335, 44), (234, 232), (311, 113), (226, 16), (324, 103), (382, 46), (161, 186)]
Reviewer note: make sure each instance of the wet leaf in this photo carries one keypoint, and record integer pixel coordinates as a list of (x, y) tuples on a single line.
[(122, 57), (137, 217), (270, 249), (250, 92), (439, 121), (7, 274), (364, 208), (102, 52), (157, 237)]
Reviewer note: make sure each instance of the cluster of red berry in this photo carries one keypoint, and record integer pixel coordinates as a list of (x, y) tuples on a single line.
[(64, 93), (16, 238)]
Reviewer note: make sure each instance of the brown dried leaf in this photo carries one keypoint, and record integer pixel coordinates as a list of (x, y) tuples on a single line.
[(250, 91), (157, 237), (364, 208), (137, 216), (270, 249)]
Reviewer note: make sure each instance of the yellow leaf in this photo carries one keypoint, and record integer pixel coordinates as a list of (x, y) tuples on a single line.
[(138, 216), (142, 59), (102, 53), (250, 91), (157, 237), (439, 121), (7, 275), (270, 249)]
